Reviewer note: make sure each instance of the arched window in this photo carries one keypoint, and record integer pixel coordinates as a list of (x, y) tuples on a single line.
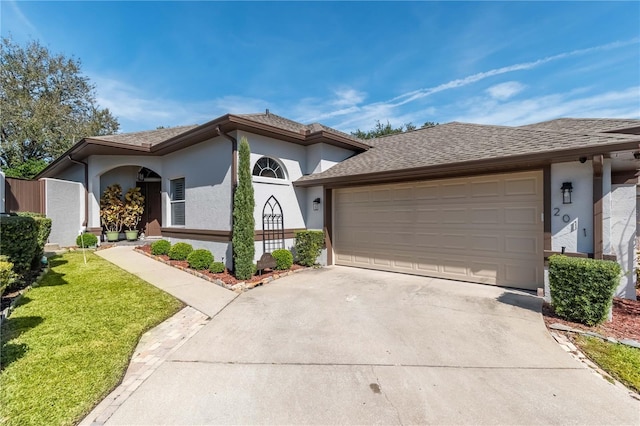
[(268, 167)]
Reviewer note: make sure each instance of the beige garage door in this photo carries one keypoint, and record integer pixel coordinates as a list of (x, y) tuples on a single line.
[(483, 229)]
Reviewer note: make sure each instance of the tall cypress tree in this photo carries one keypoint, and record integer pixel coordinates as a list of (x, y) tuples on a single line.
[(243, 221)]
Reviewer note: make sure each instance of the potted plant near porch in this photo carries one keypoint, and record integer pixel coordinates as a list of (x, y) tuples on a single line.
[(133, 209), (111, 211)]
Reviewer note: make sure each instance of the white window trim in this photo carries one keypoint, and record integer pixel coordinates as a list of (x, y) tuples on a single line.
[(172, 202), (280, 164), (270, 180)]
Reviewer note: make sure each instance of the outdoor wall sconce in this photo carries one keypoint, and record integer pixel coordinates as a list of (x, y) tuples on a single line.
[(140, 177), (566, 189), (316, 204)]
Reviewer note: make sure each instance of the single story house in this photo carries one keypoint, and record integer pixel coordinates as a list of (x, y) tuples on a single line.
[(478, 203)]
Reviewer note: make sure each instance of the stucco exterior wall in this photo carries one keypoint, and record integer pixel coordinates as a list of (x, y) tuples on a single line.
[(314, 218), (65, 207), (623, 236), (321, 157), (572, 224), (104, 165), (74, 173), (206, 169), (221, 251), (292, 200)]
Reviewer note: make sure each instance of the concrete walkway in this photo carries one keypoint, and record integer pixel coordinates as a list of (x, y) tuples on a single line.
[(351, 346), (202, 295), (203, 299)]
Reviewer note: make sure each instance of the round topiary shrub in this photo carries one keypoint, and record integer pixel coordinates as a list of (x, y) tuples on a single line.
[(86, 240), (200, 259), (284, 258), (180, 251), (216, 267), (160, 247)]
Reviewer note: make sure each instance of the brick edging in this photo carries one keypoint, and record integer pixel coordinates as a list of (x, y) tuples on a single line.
[(238, 287)]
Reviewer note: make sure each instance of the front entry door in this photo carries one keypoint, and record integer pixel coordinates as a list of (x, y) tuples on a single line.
[(152, 216)]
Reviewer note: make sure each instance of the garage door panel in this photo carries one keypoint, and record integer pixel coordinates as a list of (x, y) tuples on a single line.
[(485, 271), (484, 229), (426, 192), (455, 190), (488, 188), (489, 243), (521, 186), (525, 215), (454, 216), (525, 244), (485, 216)]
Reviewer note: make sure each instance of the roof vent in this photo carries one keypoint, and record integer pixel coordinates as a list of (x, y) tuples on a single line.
[(267, 112)]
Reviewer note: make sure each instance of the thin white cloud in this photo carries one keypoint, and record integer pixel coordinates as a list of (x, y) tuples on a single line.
[(390, 105), (25, 23), (136, 111), (576, 104), (506, 90), (348, 97)]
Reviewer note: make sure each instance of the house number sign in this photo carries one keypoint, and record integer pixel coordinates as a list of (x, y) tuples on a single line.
[(565, 218)]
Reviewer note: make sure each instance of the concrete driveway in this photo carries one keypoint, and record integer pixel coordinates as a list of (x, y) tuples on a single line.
[(352, 346)]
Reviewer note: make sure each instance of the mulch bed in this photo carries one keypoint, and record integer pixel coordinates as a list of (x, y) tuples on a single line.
[(625, 323), (226, 277), (16, 290)]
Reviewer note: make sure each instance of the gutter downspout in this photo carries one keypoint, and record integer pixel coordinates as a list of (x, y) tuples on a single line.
[(234, 168), (86, 189)]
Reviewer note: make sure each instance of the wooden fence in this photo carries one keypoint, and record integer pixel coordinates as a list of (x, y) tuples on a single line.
[(23, 195)]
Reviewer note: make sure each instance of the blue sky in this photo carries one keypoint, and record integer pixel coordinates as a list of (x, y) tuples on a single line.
[(346, 64)]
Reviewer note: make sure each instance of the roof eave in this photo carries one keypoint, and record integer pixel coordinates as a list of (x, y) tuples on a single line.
[(525, 161)]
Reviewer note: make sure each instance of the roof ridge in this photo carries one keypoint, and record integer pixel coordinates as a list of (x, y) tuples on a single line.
[(144, 131)]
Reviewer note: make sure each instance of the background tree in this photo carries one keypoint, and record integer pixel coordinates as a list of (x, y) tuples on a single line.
[(243, 222), (386, 129), (46, 105)]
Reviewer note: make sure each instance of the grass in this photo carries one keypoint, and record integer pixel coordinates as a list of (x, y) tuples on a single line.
[(68, 343), (620, 361)]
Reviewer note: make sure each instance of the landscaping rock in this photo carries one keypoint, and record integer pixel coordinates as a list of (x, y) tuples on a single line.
[(562, 327), (629, 342)]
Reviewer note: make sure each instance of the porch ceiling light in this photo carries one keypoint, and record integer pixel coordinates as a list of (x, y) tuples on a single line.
[(316, 204), (566, 189)]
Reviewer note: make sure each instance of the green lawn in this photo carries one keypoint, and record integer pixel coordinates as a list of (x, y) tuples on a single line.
[(68, 343), (622, 362)]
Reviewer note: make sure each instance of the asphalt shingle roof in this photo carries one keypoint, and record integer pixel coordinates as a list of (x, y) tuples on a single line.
[(584, 125), (460, 142), (286, 124), (152, 137)]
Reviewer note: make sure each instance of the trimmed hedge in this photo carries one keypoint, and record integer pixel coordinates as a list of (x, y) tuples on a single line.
[(200, 259), (582, 289), (243, 243), (7, 276), (43, 224), (86, 240), (308, 246), (19, 241), (217, 267), (160, 247), (284, 258), (180, 251)]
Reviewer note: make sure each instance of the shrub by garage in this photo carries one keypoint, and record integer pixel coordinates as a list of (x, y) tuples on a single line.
[(284, 259), (308, 246), (582, 289)]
